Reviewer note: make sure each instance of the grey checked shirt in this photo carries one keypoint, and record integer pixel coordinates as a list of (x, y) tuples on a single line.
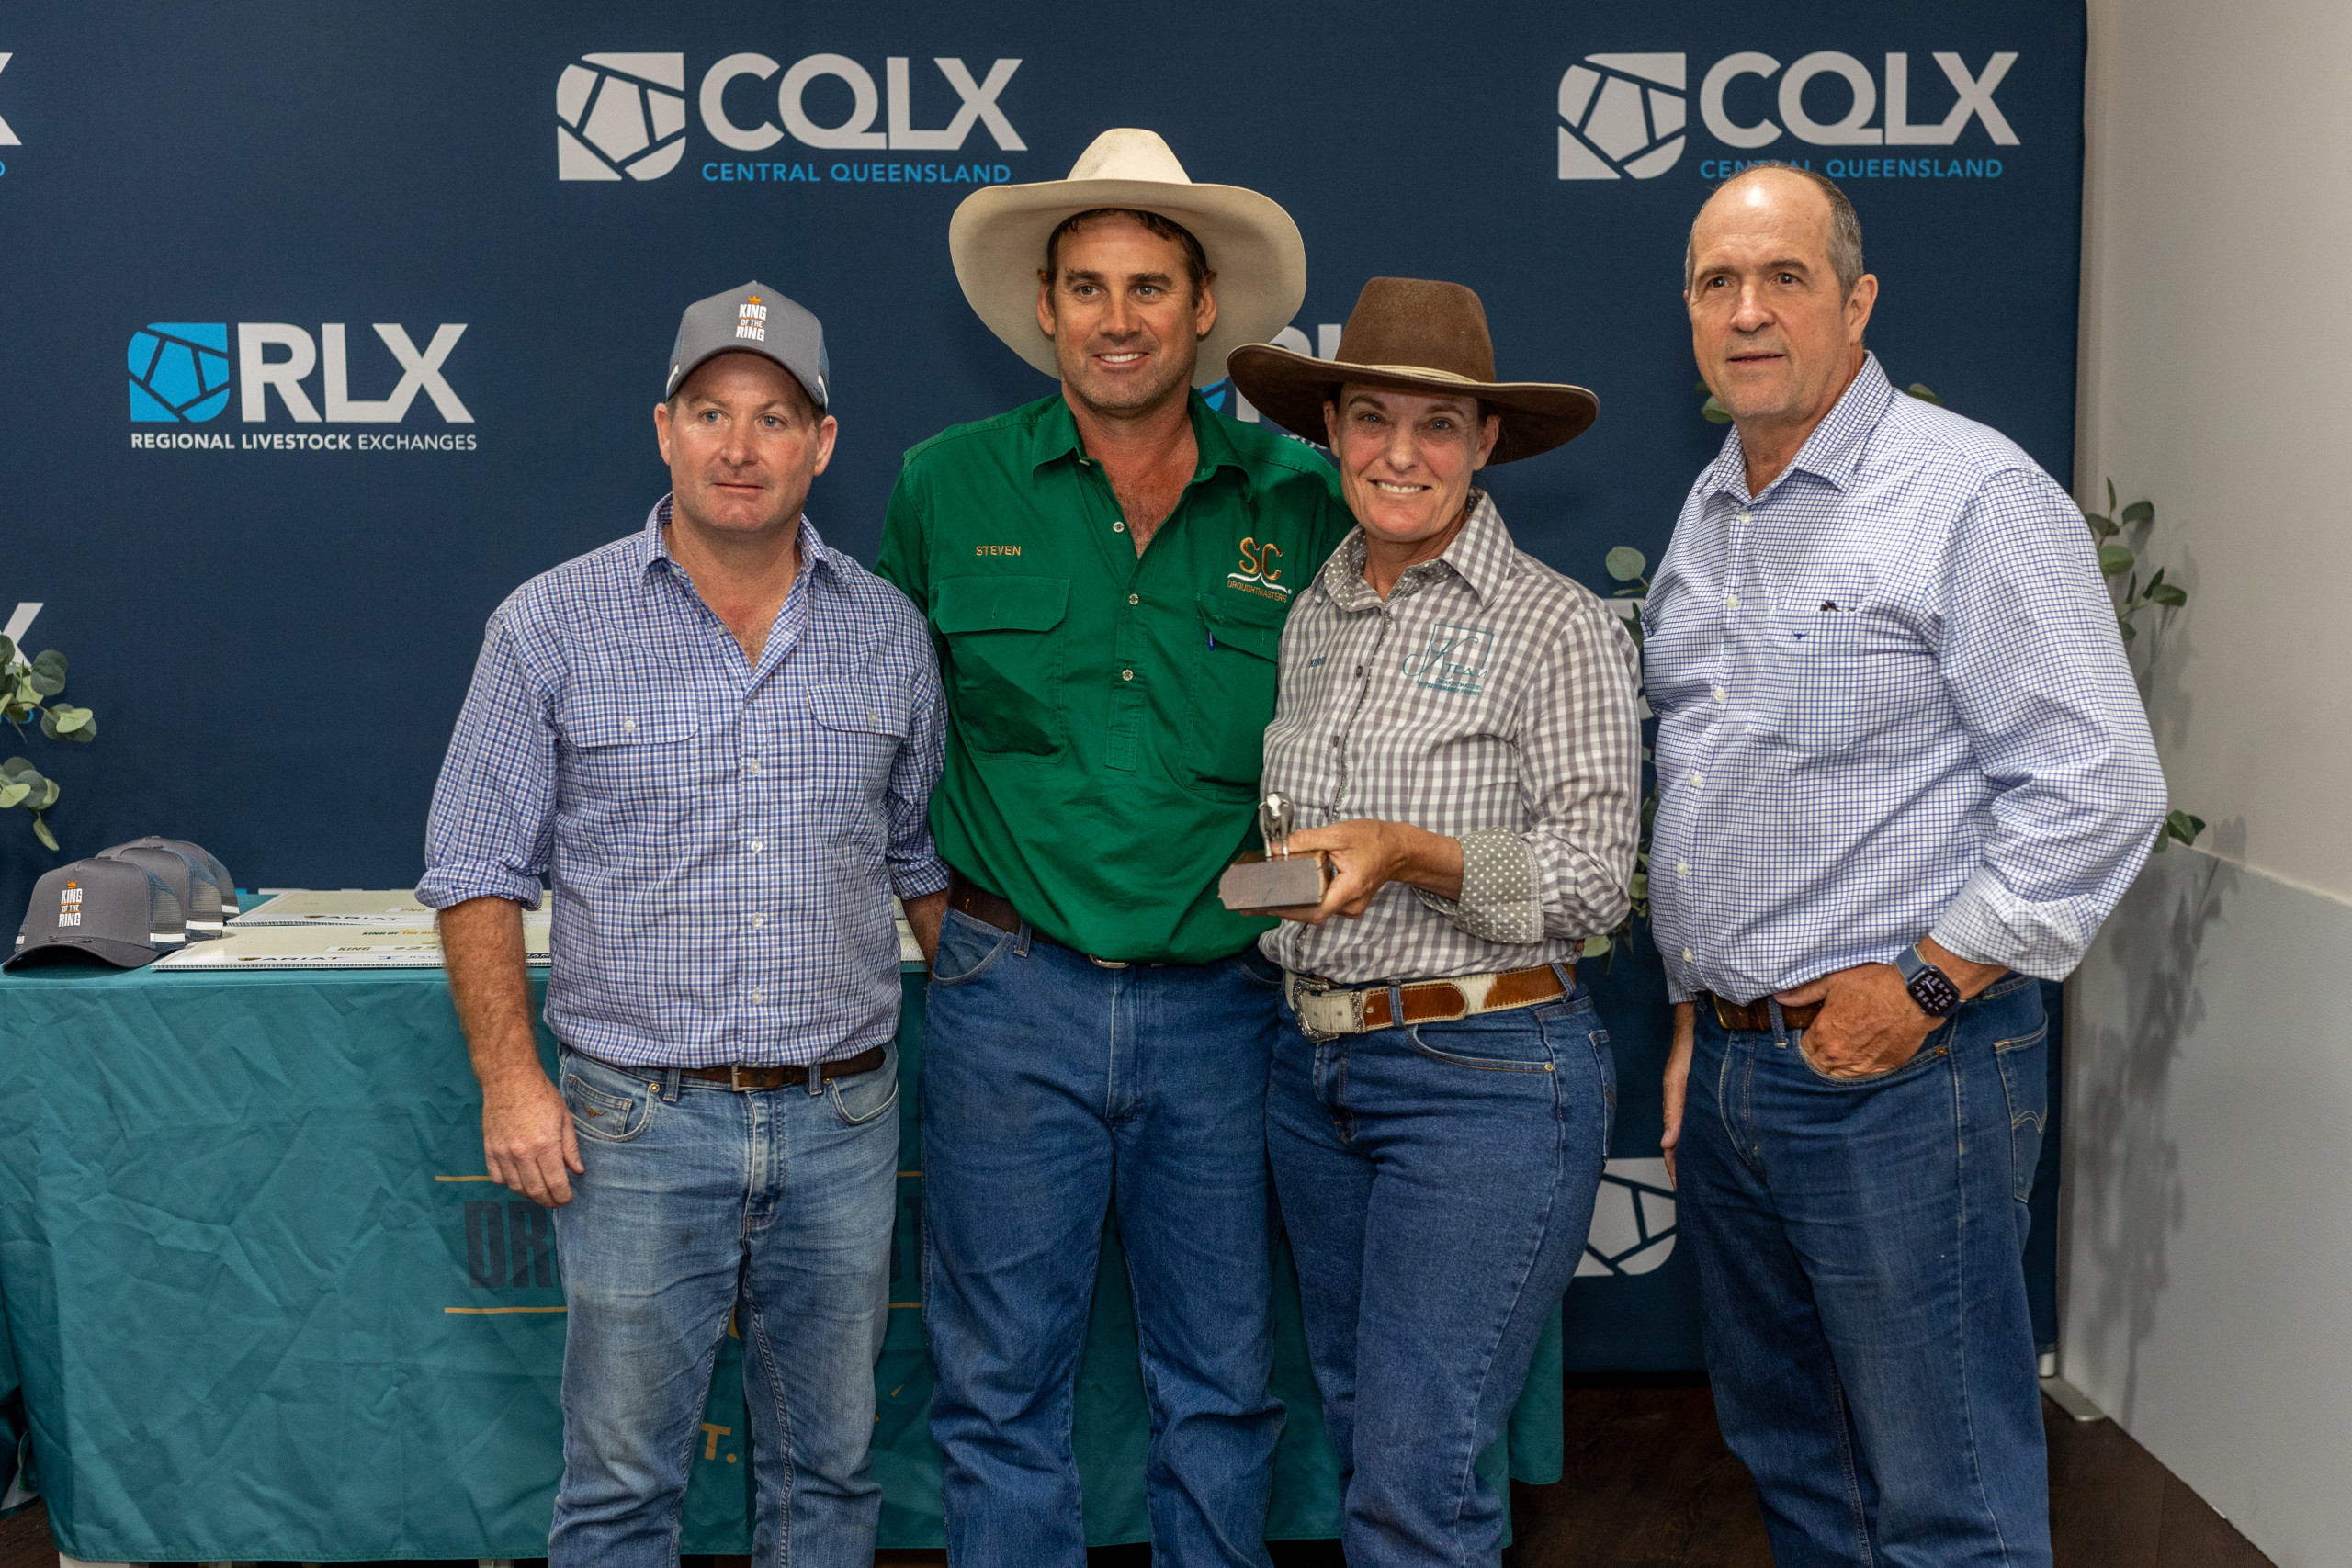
[(1489, 699)]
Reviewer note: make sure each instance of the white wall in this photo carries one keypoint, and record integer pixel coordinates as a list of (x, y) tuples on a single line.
[(2208, 1282)]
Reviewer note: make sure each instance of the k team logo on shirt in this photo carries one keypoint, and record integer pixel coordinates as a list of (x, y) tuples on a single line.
[(1455, 660)]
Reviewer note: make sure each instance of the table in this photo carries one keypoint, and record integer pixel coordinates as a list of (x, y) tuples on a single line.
[(262, 1303)]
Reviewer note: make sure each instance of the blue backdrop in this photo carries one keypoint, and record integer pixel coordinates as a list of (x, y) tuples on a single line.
[(268, 528)]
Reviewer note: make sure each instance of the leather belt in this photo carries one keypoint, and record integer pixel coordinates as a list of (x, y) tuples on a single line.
[(743, 1080), (1326, 1012), (1756, 1017), (990, 910)]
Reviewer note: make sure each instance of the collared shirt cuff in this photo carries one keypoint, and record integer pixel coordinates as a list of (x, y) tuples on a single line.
[(1678, 993), (1498, 901), (1985, 924), (446, 885), (918, 878)]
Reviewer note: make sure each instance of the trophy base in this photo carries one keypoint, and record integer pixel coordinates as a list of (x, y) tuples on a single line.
[(1256, 885)]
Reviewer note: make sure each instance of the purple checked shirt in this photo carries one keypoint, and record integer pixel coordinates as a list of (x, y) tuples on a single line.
[(722, 838)]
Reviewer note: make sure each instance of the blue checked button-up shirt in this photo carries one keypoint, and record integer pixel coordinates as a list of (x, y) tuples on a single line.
[(1892, 703), (722, 839)]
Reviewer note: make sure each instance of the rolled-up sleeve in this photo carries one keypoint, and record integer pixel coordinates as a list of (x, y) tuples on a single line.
[(1579, 764), (491, 830), (915, 866), (2031, 658)]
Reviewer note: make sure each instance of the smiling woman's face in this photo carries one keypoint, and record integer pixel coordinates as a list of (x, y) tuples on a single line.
[(1405, 459)]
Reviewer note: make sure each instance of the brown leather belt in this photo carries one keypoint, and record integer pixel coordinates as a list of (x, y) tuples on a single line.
[(1756, 1017), (742, 1079), (992, 910), (1325, 1010)]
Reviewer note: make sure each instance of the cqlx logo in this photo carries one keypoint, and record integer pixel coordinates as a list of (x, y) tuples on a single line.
[(1624, 116), (1632, 1220), (626, 114)]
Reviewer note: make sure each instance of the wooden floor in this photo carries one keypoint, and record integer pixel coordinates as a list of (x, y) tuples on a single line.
[(1649, 1485)]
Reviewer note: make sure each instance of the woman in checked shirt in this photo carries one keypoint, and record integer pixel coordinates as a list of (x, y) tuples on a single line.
[(1456, 726)]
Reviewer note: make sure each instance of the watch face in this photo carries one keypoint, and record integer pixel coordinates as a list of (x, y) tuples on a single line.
[(1935, 994)]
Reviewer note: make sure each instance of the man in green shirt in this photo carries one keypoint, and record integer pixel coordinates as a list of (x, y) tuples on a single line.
[(1106, 573)]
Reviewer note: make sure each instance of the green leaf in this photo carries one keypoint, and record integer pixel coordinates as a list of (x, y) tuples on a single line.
[(2168, 594), (1713, 411), (1703, 388), (2184, 826), (2114, 560), (88, 732), (2110, 498), (2140, 512), (49, 724), (2099, 524), (1640, 886), (40, 832), (49, 673), (69, 718), (19, 768), (1626, 563), (44, 797), (7, 651), (2130, 631), (2161, 840), (1925, 393), (1597, 946), (13, 794)]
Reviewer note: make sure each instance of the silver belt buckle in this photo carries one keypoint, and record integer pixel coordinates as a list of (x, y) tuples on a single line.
[(1296, 985)]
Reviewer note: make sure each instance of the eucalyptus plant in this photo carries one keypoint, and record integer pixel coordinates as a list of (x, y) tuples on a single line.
[(2131, 598), (29, 688)]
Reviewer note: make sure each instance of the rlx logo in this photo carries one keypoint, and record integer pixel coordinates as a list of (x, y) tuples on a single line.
[(180, 373)]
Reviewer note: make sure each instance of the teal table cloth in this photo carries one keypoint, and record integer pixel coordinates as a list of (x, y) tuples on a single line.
[(258, 1301)]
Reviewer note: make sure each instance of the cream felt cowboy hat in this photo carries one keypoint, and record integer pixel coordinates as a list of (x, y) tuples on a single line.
[(997, 239)]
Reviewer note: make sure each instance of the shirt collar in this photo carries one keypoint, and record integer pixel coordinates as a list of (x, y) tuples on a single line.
[(1833, 452), (654, 545), (1482, 555), (1057, 437)]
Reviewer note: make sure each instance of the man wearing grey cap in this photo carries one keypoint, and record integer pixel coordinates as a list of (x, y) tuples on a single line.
[(718, 740)]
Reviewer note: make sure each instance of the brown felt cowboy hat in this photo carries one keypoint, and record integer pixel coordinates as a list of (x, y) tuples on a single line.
[(1416, 336)]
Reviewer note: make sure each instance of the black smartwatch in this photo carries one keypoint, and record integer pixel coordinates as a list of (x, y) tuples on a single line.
[(1928, 986)]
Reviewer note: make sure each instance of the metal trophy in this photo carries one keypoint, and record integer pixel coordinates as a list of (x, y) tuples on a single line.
[(1277, 882)]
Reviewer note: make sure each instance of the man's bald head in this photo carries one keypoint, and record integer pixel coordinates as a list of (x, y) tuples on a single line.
[(1842, 231)]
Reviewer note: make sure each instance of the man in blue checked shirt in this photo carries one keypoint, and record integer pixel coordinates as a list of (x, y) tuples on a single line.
[(1903, 773), (717, 738)]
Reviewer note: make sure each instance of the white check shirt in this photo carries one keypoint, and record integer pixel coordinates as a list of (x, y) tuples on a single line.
[(1489, 699), (1892, 703)]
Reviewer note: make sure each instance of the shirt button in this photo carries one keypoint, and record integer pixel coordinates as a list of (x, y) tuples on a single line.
[(1135, 598), (1743, 517), (1682, 868), (1695, 778), (1689, 956), (873, 718), (628, 726), (1120, 527), (755, 846), (1732, 600), (758, 920), (757, 996), (751, 765), (1722, 695), (1127, 674), (1358, 671)]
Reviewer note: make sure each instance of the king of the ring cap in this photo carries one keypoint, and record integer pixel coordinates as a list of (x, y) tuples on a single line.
[(204, 864), (754, 319), (113, 910), (188, 877)]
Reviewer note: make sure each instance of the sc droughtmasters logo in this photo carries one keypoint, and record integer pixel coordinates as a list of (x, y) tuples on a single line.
[(1627, 116), (623, 115), (185, 374)]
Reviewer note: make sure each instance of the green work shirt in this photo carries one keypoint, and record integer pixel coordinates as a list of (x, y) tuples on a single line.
[(1108, 710)]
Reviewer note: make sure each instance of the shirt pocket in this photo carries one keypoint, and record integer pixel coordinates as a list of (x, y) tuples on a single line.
[(1004, 666), (633, 771), (861, 732), (1838, 681), (1232, 697)]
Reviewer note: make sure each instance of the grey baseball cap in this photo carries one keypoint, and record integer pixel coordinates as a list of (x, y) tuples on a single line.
[(212, 896), (754, 319), (117, 911)]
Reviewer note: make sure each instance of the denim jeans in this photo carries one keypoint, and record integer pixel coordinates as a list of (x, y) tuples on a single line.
[(698, 1201), (1857, 1242), (1437, 1183), (1054, 1089)]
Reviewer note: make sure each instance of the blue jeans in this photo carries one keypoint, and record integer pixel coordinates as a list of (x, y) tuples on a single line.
[(1865, 1303), (1436, 1182), (697, 1199), (1054, 1089)]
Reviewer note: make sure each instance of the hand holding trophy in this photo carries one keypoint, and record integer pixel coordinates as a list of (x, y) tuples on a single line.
[(1275, 882)]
